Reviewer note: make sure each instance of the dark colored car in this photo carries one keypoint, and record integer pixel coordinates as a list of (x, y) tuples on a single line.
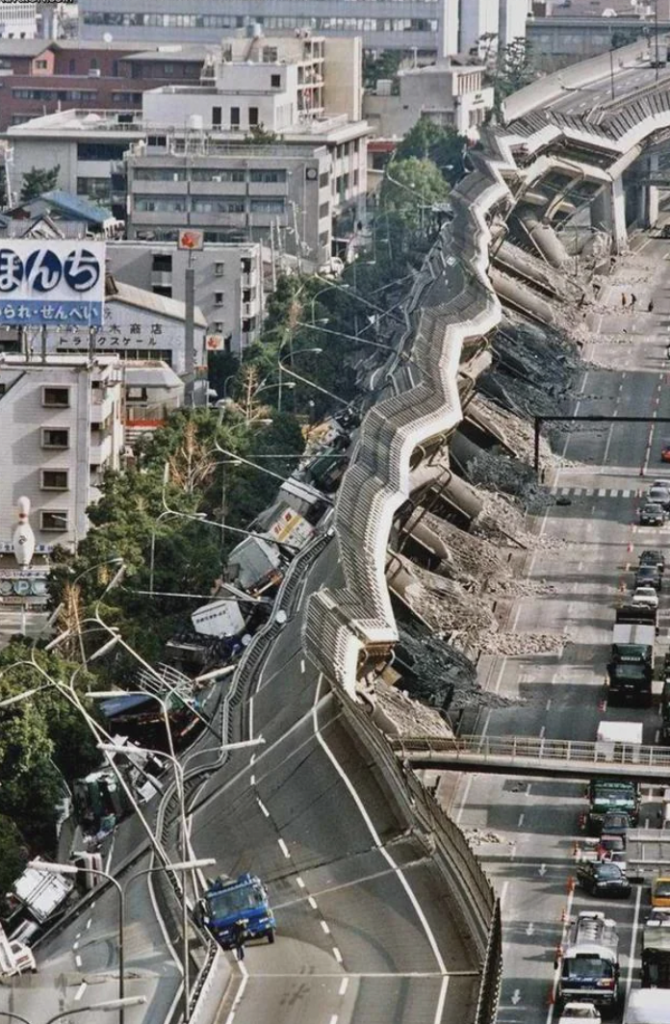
[(648, 576), (652, 515), (659, 496), (653, 557), (603, 879), (608, 844), (616, 823)]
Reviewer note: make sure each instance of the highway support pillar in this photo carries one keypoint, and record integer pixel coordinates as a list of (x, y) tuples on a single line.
[(608, 213)]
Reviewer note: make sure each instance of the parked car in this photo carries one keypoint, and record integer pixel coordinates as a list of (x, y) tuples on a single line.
[(652, 515), (617, 857), (608, 844), (645, 595), (653, 557), (616, 823), (602, 879), (659, 496), (647, 576), (575, 1013), (660, 892)]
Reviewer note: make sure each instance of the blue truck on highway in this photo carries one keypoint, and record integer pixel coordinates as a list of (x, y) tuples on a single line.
[(226, 904)]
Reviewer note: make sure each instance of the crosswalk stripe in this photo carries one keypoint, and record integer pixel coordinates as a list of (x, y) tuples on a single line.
[(592, 492), (602, 492)]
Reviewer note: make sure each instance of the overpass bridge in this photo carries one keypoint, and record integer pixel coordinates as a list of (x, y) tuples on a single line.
[(528, 755)]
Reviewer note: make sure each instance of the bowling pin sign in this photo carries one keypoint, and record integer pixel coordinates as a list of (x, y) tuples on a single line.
[(23, 541)]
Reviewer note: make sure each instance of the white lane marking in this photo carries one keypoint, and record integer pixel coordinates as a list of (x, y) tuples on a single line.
[(77, 960), (284, 848), (503, 892), (548, 703), (657, 735), (337, 954), (528, 788), (80, 991), (78, 935), (75, 945), (312, 902), (88, 923), (464, 801), (418, 909), (542, 732), (299, 882), (251, 716), (240, 992), (324, 925), (633, 939), (252, 780), (263, 809), (602, 492), (333, 1018), (521, 817), (344, 985), (302, 665)]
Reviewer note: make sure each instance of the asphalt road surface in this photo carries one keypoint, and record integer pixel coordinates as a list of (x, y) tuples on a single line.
[(591, 546), (585, 98)]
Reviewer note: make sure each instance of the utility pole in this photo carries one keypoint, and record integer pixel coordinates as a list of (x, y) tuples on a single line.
[(656, 35)]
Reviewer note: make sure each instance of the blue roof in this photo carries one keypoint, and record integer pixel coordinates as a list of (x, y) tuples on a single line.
[(80, 208), (125, 703)]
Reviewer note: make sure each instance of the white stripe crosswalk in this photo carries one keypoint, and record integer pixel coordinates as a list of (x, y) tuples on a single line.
[(593, 492)]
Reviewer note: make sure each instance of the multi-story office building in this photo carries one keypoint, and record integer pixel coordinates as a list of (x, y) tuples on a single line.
[(513, 17), (429, 26), (268, 144), (228, 283), (39, 76), (18, 20), (451, 95), (480, 19), (61, 427)]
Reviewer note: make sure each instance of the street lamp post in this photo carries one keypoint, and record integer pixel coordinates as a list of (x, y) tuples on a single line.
[(349, 337), (75, 581), (311, 383), (283, 369)]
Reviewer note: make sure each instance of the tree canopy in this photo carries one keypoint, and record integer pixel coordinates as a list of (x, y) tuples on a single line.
[(430, 141), (411, 189), (37, 180)]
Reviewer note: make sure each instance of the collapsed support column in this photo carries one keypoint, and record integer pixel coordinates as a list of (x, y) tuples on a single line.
[(608, 213)]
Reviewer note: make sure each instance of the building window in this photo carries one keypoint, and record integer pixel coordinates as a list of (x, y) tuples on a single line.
[(94, 188), (55, 437), (41, 65), (234, 117), (72, 65), (268, 177), (161, 263), (218, 269), (163, 289), (253, 117), (55, 521), (271, 205), (218, 326), (136, 394), (56, 398), (94, 64), (218, 298), (275, 81), (324, 210), (324, 179), (216, 117), (54, 480)]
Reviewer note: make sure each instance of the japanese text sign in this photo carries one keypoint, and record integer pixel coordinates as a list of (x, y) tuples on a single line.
[(51, 282)]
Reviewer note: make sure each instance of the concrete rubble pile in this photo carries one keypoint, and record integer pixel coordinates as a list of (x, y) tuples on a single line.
[(475, 562), (443, 676), (397, 714), (444, 605)]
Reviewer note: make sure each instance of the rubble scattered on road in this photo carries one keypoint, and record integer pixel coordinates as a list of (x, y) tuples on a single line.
[(443, 604), (510, 644), (476, 836)]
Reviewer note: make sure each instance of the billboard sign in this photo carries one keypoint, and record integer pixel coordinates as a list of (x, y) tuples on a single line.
[(54, 282), (190, 239)]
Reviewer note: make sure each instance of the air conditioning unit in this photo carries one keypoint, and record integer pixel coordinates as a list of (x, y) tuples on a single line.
[(94, 73)]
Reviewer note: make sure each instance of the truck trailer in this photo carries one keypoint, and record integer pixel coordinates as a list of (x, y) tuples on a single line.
[(656, 951), (631, 668)]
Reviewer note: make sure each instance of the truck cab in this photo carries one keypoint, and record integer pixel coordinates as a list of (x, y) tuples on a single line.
[(227, 903), (612, 794), (590, 962)]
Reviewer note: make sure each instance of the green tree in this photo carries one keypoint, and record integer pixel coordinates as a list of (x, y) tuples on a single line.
[(36, 181), (411, 189), (382, 65), (13, 856), (514, 68), (430, 141)]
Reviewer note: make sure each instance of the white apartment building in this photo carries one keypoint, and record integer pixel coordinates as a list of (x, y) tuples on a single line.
[(61, 421), (478, 18), (427, 26), (513, 16), (18, 20), (228, 283), (452, 95)]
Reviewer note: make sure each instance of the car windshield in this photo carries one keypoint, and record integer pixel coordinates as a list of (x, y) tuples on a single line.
[(652, 508), (235, 901), (662, 888), (611, 843), (581, 1012), (579, 968), (610, 872)]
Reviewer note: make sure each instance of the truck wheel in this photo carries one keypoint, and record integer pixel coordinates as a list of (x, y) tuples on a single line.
[(271, 937)]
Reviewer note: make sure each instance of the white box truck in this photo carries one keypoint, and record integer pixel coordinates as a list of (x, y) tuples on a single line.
[(648, 1006), (15, 957), (613, 737)]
